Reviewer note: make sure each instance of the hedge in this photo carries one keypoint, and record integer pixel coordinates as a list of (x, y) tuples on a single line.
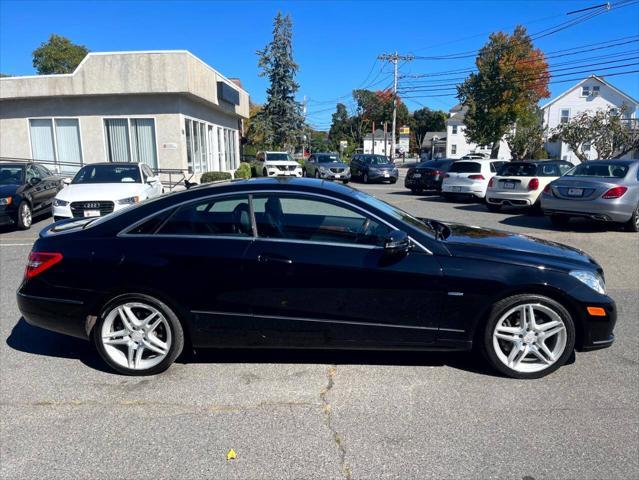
[(243, 171), (215, 176)]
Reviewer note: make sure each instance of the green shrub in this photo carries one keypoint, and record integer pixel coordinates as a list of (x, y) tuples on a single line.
[(215, 176), (243, 171)]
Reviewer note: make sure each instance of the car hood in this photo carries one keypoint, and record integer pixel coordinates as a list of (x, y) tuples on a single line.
[(100, 191), (507, 247), (386, 166), (8, 190), (333, 165), (283, 163)]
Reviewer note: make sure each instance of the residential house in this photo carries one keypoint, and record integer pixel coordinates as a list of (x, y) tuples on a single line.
[(380, 145), (589, 95), (167, 109), (457, 145), (433, 145)]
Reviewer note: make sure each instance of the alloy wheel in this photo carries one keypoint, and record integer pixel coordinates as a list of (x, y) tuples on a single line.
[(529, 338), (25, 215), (136, 335)]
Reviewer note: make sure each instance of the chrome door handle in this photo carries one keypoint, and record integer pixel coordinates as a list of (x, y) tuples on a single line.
[(272, 259)]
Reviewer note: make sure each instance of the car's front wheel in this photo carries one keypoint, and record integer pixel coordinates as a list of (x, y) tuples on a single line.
[(633, 224), (528, 336), (25, 216), (137, 334)]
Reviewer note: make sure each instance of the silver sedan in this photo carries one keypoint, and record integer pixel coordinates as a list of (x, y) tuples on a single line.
[(604, 190)]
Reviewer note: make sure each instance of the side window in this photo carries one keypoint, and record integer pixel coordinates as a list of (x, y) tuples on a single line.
[(144, 175), (212, 216), (151, 225), (298, 217), (147, 171), (551, 170), (41, 171), (564, 167), (493, 167), (31, 173)]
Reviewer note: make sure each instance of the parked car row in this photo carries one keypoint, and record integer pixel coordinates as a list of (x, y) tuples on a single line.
[(602, 190)]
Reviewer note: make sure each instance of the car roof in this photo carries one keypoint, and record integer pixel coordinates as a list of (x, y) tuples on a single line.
[(115, 164), (15, 164), (606, 162), (277, 183)]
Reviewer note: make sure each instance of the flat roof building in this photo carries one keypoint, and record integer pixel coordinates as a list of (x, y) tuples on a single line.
[(167, 109)]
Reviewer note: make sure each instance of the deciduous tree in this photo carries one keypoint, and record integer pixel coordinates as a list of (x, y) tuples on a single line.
[(512, 76), (526, 140), (58, 55), (426, 120)]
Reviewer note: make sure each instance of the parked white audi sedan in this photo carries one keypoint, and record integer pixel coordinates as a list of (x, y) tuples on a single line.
[(519, 184), (469, 178), (101, 188)]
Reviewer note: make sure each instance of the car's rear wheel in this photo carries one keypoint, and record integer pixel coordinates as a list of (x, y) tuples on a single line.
[(264, 173), (528, 336), (559, 220), (632, 225), (416, 191), (492, 207), (137, 334), (25, 216)]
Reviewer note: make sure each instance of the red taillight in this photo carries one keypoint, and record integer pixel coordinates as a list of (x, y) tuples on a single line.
[(547, 189), (615, 192), (476, 177), (39, 262), (490, 183), (533, 184)]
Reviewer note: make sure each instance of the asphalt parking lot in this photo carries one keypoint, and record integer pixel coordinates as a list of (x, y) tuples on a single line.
[(325, 414)]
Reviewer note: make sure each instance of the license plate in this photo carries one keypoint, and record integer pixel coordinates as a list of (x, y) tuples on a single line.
[(455, 189), (417, 175), (386, 174), (509, 185), (92, 213), (575, 192), (337, 175)]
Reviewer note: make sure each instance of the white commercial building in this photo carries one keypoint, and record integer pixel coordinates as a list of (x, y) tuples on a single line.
[(591, 94), (167, 109)]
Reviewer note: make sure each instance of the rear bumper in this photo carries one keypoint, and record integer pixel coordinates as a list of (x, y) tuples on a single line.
[(516, 199), (425, 183), (610, 211), (474, 190), (56, 314)]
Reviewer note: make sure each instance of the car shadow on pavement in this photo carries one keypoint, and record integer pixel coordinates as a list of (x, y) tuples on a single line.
[(463, 360), (38, 341), (541, 222)]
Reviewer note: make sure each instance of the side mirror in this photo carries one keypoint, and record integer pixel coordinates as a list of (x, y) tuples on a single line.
[(34, 181), (66, 181), (397, 244)]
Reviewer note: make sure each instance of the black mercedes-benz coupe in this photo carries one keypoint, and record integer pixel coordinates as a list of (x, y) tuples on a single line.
[(305, 263)]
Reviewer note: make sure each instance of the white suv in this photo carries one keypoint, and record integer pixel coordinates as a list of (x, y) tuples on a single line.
[(276, 164), (469, 177)]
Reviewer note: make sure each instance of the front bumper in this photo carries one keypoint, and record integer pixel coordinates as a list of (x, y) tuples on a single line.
[(342, 176), (516, 199), (614, 210), (8, 214), (383, 175), (275, 172)]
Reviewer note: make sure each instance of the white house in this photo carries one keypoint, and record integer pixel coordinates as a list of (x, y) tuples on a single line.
[(379, 148), (457, 145), (591, 94)]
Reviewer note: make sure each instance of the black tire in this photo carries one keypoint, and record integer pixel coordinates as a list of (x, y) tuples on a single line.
[(492, 207), (394, 181), (177, 334), (304, 173), (559, 220), (253, 172), (632, 225), (25, 216), (317, 175), (499, 309), (365, 178), (264, 173), (345, 181)]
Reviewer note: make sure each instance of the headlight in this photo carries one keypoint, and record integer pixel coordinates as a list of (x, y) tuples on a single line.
[(59, 203), (591, 279), (129, 201), (6, 201)]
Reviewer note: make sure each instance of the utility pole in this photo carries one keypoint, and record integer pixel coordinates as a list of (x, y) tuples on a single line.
[(394, 57)]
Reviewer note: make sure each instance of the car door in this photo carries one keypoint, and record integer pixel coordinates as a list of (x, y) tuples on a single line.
[(35, 189), (193, 255), (153, 181), (317, 274), (355, 165), (51, 186)]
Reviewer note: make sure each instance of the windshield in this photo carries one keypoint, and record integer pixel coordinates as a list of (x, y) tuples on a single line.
[(606, 170), (328, 159), (518, 170), (465, 167), (11, 174), (108, 174), (377, 160), (278, 156), (397, 214), (435, 164)]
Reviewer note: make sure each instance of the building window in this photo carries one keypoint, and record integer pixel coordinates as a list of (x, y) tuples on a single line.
[(56, 141), (453, 149), (454, 129), (595, 90), (586, 147), (564, 116), (131, 140), (585, 91)]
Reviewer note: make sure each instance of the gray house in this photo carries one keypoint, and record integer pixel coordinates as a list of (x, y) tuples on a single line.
[(167, 109)]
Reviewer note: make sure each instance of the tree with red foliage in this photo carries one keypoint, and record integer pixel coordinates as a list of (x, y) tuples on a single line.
[(512, 76)]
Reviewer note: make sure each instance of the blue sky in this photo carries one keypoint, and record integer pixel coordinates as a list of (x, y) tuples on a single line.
[(335, 43)]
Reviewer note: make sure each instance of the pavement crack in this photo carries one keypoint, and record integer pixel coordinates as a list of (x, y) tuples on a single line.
[(328, 414)]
